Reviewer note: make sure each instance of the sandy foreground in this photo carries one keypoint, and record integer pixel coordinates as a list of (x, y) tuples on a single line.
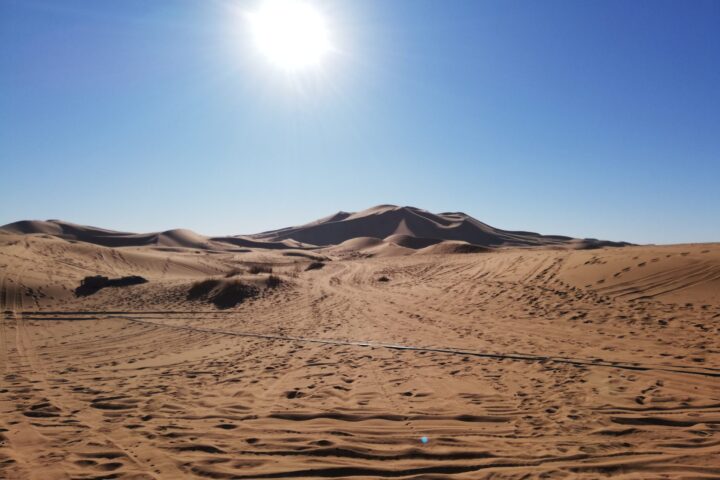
[(521, 363)]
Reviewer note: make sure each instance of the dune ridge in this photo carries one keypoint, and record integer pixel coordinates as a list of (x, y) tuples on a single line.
[(401, 229), (404, 223), (175, 238)]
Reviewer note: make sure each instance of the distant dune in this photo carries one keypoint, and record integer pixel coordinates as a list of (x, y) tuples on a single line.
[(384, 230), (243, 241), (416, 228), (176, 238), (107, 238)]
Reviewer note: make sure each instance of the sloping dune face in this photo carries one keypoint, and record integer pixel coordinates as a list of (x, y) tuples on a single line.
[(452, 246), (27, 227), (682, 273), (402, 224), (242, 241), (176, 238), (409, 241), (360, 243), (107, 238), (181, 238), (514, 363)]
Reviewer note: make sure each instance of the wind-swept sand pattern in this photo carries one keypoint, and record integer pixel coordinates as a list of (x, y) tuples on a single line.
[(524, 363)]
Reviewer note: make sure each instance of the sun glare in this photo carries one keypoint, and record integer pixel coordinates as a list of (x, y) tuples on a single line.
[(291, 34)]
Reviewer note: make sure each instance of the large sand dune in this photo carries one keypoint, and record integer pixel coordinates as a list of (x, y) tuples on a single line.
[(511, 363), (388, 221)]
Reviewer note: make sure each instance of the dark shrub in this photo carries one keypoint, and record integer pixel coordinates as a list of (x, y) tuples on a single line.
[(273, 281), (232, 293), (125, 281), (222, 293), (255, 269), (94, 283), (315, 266), (202, 288), (233, 272)]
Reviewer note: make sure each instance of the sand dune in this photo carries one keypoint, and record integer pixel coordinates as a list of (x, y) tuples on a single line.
[(450, 247), (682, 273), (405, 227), (242, 241), (510, 362), (398, 245), (108, 238), (359, 243), (176, 238), (410, 241), (387, 249), (386, 221)]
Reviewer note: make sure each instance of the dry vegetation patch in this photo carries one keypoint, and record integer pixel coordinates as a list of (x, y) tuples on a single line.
[(315, 266), (273, 281), (255, 269), (229, 291), (234, 272), (94, 283), (223, 293)]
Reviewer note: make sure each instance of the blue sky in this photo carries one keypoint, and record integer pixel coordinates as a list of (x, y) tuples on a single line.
[(585, 118)]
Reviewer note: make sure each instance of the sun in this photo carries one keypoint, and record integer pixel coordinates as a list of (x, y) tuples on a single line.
[(291, 34)]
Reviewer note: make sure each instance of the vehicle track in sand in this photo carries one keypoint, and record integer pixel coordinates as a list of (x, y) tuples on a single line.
[(40, 418), (709, 372)]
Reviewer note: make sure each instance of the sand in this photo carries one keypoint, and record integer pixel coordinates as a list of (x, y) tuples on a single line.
[(398, 224), (510, 362)]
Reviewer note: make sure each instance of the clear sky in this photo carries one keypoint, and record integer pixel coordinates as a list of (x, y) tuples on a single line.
[(584, 118)]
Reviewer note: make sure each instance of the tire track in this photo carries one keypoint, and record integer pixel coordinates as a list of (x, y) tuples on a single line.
[(3, 334), (709, 372), (44, 407)]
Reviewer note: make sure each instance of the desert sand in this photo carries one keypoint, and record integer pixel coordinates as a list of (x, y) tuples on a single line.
[(423, 346)]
